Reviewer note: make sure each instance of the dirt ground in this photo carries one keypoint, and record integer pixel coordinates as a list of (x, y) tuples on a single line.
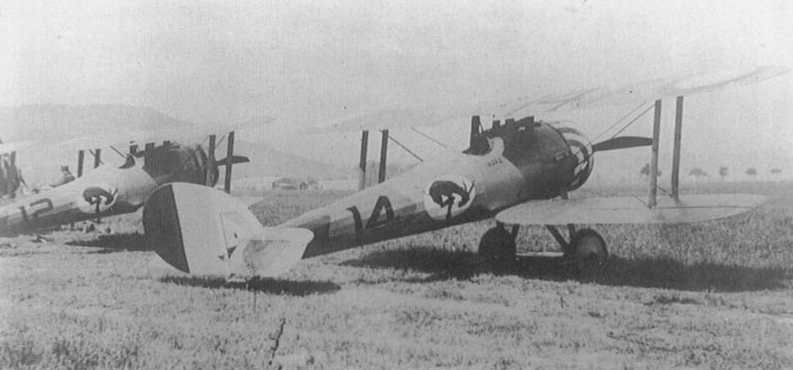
[(714, 295)]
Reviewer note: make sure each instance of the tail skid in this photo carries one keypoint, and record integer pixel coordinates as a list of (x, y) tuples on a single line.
[(204, 231)]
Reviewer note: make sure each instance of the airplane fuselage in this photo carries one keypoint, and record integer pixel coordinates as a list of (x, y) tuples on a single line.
[(103, 192), (447, 192)]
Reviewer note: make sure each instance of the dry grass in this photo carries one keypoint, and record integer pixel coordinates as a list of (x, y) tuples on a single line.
[(712, 295)]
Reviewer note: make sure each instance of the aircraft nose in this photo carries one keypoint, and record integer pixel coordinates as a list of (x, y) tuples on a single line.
[(581, 147)]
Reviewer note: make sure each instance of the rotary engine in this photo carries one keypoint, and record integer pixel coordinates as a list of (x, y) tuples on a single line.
[(581, 147)]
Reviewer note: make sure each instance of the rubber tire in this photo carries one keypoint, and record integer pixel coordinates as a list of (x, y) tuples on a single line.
[(589, 254), (497, 244)]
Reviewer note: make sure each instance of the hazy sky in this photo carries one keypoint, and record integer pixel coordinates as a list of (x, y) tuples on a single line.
[(219, 61)]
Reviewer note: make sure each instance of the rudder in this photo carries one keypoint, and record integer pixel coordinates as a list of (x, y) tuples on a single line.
[(204, 231)]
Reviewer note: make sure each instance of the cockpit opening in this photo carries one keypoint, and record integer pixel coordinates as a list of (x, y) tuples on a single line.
[(480, 145)]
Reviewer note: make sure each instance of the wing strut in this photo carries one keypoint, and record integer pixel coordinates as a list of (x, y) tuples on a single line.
[(383, 156), (80, 160), (210, 166), (362, 163), (230, 162), (676, 146), (654, 159), (675, 178), (97, 157)]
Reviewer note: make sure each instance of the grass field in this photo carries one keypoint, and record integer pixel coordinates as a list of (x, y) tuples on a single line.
[(714, 295)]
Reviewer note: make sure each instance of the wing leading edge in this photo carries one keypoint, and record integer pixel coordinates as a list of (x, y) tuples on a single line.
[(629, 210), (627, 94)]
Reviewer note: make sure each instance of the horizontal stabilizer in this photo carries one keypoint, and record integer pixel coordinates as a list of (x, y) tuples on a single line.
[(622, 142), (629, 210), (204, 231), (272, 252)]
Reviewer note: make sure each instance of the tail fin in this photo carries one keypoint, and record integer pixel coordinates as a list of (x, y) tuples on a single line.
[(204, 231)]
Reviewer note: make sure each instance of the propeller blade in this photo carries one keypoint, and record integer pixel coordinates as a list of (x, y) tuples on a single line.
[(622, 142), (234, 160)]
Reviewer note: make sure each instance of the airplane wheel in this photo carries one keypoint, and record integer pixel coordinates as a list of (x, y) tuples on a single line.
[(589, 253), (497, 244)]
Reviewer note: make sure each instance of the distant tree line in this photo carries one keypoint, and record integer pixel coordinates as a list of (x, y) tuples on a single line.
[(699, 173)]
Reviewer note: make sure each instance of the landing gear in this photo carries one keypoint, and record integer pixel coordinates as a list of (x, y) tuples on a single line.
[(586, 251), (498, 244), (589, 253)]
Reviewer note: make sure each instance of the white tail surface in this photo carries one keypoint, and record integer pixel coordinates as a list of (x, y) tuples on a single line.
[(271, 253), (204, 231)]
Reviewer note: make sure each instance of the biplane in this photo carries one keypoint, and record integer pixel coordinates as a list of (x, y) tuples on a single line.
[(152, 160), (520, 172)]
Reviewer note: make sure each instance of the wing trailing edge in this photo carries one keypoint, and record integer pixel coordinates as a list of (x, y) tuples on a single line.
[(629, 210)]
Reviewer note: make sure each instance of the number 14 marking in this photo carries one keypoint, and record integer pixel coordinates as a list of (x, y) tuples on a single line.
[(383, 203)]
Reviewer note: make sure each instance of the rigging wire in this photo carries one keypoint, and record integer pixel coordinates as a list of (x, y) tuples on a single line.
[(405, 148), (119, 153), (633, 121), (620, 120), (429, 138)]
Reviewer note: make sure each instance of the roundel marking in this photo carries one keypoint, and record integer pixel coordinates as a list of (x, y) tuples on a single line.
[(97, 198), (448, 196)]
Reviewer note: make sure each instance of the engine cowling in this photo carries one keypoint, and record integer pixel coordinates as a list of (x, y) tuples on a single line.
[(581, 148), (177, 163)]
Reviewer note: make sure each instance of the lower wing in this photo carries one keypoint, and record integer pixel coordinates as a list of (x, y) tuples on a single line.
[(629, 210)]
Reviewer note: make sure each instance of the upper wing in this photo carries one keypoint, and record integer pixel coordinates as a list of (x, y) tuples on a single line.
[(15, 146), (629, 210), (632, 93), (194, 133), (125, 137)]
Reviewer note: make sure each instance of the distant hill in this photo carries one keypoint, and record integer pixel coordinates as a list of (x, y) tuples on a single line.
[(268, 162), (57, 121)]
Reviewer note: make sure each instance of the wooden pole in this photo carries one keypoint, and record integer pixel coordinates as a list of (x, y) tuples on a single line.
[(383, 156), (229, 157), (210, 165), (362, 162), (676, 146), (654, 159)]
